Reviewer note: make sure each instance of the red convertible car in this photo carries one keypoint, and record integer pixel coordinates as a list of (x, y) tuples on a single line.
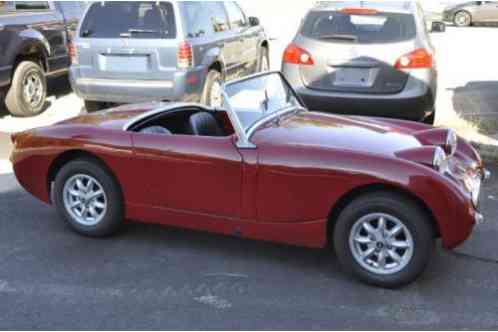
[(379, 191)]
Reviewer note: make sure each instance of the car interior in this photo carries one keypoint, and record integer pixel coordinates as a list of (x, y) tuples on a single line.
[(187, 121)]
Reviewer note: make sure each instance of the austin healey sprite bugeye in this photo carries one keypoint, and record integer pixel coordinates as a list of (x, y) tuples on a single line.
[(378, 191)]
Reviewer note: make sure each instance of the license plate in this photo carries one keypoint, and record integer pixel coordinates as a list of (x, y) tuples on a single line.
[(125, 63), (353, 77)]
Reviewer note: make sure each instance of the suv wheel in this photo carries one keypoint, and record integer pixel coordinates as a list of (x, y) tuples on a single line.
[(463, 19), (212, 94), (264, 60), (28, 91)]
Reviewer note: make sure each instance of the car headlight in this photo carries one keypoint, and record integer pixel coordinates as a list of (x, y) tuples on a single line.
[(440, 160), (473, 184), (451, 143)]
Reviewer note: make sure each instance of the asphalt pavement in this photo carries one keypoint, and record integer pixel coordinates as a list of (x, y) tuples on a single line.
[(153, 277)]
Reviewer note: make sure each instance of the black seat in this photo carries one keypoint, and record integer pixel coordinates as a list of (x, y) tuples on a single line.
[(204, 124), (158, 130)]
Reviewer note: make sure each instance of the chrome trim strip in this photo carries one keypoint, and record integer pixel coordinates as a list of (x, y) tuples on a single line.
[(261, 122), (162, 107), (125, 83)]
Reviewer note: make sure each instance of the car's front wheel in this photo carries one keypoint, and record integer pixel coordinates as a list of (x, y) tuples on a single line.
[(88, 198), (463, 19), (384, 239)]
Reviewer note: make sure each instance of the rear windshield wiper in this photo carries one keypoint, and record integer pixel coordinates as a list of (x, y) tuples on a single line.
[(352, 38)]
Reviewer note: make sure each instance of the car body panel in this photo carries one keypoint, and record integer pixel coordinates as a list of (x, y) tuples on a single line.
[(283, 190)]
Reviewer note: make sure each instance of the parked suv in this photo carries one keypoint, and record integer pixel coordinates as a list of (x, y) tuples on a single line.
[(369, 58), (168, 51), (33, 43)]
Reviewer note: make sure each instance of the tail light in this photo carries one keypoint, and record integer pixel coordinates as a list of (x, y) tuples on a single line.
[(420, 58), (359, 11), (73, 53), (295, 55), (185, 55)]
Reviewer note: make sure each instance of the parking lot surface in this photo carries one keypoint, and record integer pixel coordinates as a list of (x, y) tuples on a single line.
[(153, 277)]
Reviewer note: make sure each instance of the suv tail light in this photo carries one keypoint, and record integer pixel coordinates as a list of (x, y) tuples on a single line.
[(420, 58), (298, 56), (73, 53), (185, 55)]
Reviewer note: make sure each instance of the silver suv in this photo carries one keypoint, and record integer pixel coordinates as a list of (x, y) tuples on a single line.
[(366, 57), (134, 51)]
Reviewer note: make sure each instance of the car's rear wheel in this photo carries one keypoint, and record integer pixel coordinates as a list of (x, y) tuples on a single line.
[(212, 94), (28, 91), (93, 106), (463, 19), (88, 198), (384, 239)]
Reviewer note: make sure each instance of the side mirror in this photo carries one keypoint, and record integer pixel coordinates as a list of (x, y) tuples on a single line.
[(254, 21), (438, 27)]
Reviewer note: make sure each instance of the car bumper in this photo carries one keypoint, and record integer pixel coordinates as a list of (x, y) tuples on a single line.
[(415, 102), (184, 86)]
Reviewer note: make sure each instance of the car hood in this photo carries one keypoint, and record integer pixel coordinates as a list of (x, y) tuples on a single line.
[(369, 135)]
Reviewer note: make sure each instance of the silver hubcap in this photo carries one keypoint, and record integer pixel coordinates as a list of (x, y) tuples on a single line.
[(381, 243), (33, 89), (85, 199), (215, 96), (462, 19)]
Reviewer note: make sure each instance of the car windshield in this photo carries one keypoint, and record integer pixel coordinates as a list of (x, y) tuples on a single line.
[(256, 98), (362, 28)]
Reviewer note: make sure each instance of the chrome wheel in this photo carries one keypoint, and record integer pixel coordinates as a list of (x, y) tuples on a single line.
[(33, 89), (381, 243), (85, 199), (462, 19), (215, 95)]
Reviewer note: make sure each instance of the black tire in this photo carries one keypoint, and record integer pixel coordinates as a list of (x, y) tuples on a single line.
[(415, 220), (93, 106), (458, 23), (212, 78), (113, 217), (15, 100), (263, 56)]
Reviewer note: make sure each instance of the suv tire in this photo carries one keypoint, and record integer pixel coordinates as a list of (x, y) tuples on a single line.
[(214, 82), (28, 91), (264, 60)]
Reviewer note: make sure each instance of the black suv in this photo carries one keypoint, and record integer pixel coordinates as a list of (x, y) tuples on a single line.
[(34, 46)]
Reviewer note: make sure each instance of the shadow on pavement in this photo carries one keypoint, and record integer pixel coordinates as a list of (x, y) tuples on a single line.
[(477, 102)]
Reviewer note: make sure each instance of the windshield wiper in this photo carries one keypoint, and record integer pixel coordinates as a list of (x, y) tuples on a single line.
[(352, 38)]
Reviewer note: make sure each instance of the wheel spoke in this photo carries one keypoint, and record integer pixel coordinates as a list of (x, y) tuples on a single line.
[(400, 244), (368, 228), (368, 253), (394, 255), (95, 194), (80, 185), (381, 259), (381, 227), (75, 193), (99, 205), (395, 231), (363, 239)]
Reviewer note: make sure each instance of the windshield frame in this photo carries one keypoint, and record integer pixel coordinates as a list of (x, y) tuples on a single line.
[(244, 135)]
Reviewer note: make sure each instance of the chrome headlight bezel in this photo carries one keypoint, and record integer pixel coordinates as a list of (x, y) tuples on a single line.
[(451, 144), (440, 160)]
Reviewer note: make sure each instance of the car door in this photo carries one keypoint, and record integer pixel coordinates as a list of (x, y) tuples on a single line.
[(489, 11), (247, 48), (195, 174)]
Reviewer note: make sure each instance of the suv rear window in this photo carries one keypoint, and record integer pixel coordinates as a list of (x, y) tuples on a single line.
[(380, 27), (129, 19)]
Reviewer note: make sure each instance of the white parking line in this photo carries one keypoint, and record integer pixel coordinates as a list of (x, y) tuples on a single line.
[(5, 167)]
